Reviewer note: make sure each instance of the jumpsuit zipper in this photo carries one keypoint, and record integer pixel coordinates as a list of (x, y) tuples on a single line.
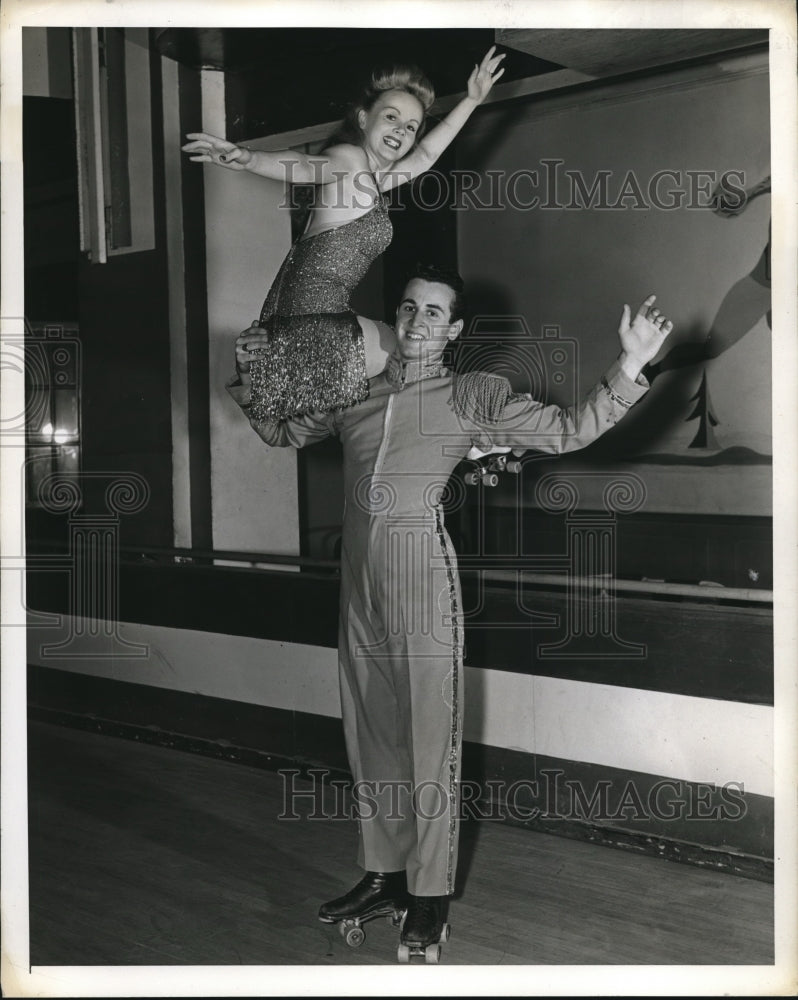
[(386, 424)]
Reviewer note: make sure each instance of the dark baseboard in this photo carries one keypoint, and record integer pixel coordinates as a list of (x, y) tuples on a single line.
[(701, 649), (725, 830)]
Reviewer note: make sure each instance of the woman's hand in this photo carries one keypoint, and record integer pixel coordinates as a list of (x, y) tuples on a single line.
[(211, 149), (727, 200), (427, 151), (641, 337), (484, 76), (248, 344)]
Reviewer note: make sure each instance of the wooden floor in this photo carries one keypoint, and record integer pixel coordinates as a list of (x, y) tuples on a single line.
[(146, 855)]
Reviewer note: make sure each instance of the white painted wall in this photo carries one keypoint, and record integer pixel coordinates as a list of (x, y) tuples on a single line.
[(254, 488), (694, 739), (46, 62), (35, 75)]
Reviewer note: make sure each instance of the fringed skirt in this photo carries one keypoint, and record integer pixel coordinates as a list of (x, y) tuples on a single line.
[(313, 362)]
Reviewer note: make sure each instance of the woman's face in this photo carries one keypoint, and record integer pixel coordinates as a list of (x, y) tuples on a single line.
[(391, 125)]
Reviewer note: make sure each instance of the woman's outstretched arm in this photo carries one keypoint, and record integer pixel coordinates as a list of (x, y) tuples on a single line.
[(429, 149), (280, 165)]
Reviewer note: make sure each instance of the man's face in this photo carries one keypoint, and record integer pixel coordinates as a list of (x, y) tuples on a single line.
[(423, 326)]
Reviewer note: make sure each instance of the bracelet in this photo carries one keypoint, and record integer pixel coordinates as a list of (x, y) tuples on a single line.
[(224, 159)]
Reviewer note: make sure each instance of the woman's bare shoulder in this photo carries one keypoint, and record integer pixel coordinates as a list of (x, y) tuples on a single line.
[(347, 153)]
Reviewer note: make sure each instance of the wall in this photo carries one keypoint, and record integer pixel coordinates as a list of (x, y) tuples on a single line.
[(121, 307), (695, 739), (575, 267), (46, 62), (253, 488), (124, 332), (50, 176)]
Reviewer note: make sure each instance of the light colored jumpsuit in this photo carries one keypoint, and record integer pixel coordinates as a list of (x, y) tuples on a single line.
[(400, 632)]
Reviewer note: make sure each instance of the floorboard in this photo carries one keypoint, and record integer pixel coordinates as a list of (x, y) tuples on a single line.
[(143, 855)]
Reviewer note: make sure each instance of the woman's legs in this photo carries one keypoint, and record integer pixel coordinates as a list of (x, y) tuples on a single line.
[(379, 342)]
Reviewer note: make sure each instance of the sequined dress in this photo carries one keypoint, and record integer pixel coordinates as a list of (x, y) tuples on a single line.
[(316, 357)]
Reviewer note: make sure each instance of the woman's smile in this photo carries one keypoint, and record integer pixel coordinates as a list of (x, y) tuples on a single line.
[(390, 126)]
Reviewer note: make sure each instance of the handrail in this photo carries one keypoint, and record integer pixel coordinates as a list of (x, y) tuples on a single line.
[(234, 555), (705, 591), (139, 553), (468, 565)]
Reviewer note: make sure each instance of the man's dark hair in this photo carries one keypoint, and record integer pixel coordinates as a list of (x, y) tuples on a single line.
[(443, 276)]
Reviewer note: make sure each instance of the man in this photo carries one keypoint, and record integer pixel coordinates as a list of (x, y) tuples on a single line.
[(400, 636)]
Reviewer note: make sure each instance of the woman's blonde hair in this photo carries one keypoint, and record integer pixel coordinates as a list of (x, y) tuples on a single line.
[(410, 79)]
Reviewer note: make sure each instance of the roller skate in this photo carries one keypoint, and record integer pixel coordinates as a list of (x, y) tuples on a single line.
[(377, 894), (489, 466), (424, 929)]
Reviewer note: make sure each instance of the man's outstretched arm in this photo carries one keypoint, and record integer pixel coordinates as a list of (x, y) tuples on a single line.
[(519, 421)]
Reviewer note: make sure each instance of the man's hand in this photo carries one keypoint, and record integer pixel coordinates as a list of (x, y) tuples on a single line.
[(641, 338), (248, 343)]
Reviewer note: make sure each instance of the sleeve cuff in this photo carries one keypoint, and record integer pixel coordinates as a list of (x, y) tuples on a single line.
[(621, 387), (239, 392)]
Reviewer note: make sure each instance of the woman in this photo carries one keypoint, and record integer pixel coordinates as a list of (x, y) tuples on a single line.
[(320, 353)]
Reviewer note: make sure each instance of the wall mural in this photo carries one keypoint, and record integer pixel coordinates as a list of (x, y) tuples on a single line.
[(663, 190), (746, 303)]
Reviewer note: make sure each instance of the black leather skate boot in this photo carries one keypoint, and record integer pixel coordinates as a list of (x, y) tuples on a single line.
[(425, 920), (375, 891)]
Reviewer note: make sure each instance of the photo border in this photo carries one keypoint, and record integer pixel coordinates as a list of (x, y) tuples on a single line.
[(18, 978)]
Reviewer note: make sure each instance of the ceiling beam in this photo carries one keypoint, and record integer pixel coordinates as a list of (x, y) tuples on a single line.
[(600, 52)]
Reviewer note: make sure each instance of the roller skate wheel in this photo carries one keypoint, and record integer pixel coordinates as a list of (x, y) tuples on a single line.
[(403, 953), (491, 479), (446, 930), (355, 937), (471, 478), (432, 954), (514, 467)]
